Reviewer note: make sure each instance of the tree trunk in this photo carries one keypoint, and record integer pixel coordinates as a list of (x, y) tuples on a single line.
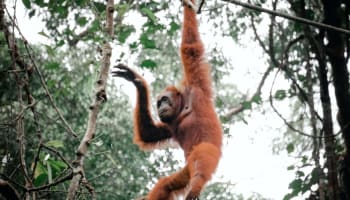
[(335, 51)]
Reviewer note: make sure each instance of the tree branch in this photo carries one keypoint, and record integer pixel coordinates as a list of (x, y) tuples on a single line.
[(280, 115), (290, 17), (29, 68), (240, 108), (100, 98)]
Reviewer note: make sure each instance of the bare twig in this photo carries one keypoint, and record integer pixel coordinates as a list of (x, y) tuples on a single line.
[(290, 17), (78, 37), (289, 125), (200, 6), (21, 113), (240, 108), (10, 39), (57, 153), (36, 159), (27, 67), (100, 97), (280, 115), (270, 52), (257, 37), (271, 38), (68, 176)]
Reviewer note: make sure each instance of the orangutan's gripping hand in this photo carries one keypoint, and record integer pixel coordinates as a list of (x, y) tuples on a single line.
[(128, 74)]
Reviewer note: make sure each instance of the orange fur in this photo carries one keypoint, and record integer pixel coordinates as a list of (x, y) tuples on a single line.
[(198, 132)]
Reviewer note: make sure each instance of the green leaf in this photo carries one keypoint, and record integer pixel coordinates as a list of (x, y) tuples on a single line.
[(31, 13), (40, 169), (152, 28), (27, 4), (49, 50), (310, 14), (133, 45), (173, 27), (304, 160), (40, 3), (288, 196), (122, 8), (51, 83), (42, 33), (147, 12), (82, 21), (219, 102), (280, 94), (99, 6), (95, 25), (300, 173), (80, 2), (301, 77), (256, 99), (54, 143), (291, 167), (52, 65), (247, 105), (40, 180), (149, 64), (40, 175), (298, 27), (296, 185), (60, 43), (125, 32), (147, 43), (57, 165), (290, 148), (62, 10)]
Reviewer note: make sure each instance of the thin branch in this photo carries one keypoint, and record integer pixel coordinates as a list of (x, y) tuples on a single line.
[(36, 160), (290, 17), (289, 125), (240, 108), (27, 67), (57, 153), (255, 31), (100, 98), (279, 114), (271, 50), (10, 39), (78, 37), (68, 176), (303, 94), (7, 178), (25, 80), (21, 113), (301, 90), (200, 6)]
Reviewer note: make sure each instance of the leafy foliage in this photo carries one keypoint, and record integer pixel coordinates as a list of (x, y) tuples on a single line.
[(69, 64), (114, 165)]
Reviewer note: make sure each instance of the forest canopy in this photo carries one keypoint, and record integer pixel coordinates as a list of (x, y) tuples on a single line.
[(66, 126)]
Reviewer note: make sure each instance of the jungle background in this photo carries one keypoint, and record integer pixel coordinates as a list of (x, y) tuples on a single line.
[(66, 126)]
